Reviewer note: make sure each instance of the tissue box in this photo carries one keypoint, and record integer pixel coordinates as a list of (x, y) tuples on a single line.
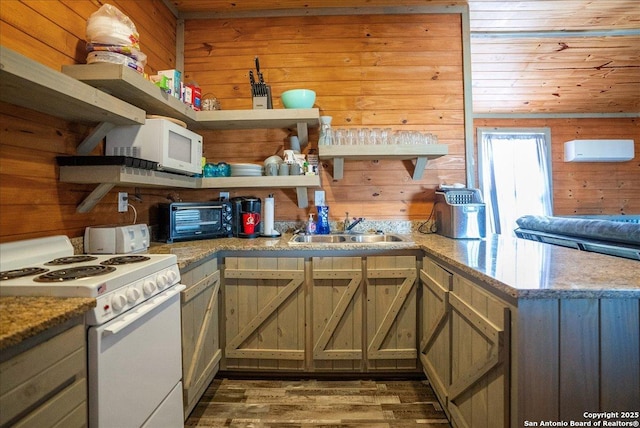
[(174, 78)]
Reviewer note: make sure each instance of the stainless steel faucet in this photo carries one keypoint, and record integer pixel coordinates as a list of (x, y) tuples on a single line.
[(348, 225)]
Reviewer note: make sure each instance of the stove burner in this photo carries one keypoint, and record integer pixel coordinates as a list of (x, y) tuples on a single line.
[(123, 260), (19, 273), (69, 260), (72, 273)]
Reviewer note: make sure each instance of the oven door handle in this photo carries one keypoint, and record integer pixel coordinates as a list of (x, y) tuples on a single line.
[(147, 306)]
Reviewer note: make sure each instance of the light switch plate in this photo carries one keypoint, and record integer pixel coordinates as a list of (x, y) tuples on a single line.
[(319, 198)]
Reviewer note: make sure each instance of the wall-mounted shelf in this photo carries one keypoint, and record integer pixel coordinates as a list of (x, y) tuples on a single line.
[(422, 153), (30, 84), (298, 182), (301, 119), (128, 85), (115, 95), (108, 176)]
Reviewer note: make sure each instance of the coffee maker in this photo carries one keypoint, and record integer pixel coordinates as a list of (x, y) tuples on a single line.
[(246, 216)]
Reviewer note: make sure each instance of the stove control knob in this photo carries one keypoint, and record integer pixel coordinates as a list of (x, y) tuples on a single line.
[(161, 280), (172, 276), (118, 302), (133, 294), (149, 287)]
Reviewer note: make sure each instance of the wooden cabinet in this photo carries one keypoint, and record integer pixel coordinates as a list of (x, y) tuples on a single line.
[(264, 313), (43, 381), (465, 347), (435, 327), (201, 352), (391, 313), (349, 314), (338, 310), (478, 394), (351, 332)]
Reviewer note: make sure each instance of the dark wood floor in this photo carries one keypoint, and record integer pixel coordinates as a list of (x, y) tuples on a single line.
[(318, 403)]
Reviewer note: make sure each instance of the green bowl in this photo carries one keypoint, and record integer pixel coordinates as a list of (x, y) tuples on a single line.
[(298, 98)]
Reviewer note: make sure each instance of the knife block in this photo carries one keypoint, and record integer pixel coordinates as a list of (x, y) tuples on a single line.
[(262, 101)]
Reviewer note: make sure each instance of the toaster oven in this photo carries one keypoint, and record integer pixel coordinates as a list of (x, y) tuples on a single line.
[(186, 221)]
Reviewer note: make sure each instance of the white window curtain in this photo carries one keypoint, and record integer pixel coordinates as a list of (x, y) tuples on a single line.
[(515, 175)]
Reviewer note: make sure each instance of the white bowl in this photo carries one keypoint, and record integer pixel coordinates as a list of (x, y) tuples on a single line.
[(273, 159)]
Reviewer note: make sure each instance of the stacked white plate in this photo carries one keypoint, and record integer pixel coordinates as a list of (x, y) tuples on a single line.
[(246, 170)]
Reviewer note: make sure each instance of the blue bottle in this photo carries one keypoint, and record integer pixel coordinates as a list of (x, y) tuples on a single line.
[(322, 227)]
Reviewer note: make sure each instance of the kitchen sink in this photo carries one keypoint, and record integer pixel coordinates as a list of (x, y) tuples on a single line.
[(346, 238), (369, 238), (318, 239)]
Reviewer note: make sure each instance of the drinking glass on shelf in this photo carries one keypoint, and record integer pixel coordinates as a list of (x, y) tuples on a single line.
[(340, 137), (374, 136), (328, 138), (351, 136), (403, 137), (363, 135), (385, 134)]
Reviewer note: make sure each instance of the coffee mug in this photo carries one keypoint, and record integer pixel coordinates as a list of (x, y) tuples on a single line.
[(271, 168), (284, 169), (249, 222), (295, 169)]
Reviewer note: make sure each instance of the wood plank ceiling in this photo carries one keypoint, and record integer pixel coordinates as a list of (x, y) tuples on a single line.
[(549, 57)]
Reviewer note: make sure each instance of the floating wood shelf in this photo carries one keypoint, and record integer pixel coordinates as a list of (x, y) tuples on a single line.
[(113, 95), (130, 86), (30, 84), (109, 176), (422, 153), (298, 182)]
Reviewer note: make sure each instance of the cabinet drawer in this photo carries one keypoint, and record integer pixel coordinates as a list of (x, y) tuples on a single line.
[(68, 408), (34, 376)]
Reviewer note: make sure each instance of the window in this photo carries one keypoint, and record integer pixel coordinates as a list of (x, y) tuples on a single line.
[(514, 169)]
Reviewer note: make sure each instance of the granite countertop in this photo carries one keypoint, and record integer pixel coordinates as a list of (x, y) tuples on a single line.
[(512, 267), (24, 317)]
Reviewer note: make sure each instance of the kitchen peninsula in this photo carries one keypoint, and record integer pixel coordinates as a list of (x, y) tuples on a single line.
[(545, 315)]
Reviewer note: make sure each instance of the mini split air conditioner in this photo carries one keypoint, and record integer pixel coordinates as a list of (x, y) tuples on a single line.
[(598, 150)]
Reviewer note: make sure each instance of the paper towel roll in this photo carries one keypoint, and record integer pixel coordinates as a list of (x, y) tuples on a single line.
[(268, 217)]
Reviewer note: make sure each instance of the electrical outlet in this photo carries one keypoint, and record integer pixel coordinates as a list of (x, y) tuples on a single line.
[(123, 200), (224, 196)]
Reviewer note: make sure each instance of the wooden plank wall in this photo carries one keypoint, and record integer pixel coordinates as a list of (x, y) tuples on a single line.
[(590, 187), (395, 71), (32, 201)]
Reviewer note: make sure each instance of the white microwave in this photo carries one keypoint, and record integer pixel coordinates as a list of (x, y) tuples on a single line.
[(173, 147)]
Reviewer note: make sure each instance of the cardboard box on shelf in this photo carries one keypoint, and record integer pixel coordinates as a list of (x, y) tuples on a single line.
[(174, 77)]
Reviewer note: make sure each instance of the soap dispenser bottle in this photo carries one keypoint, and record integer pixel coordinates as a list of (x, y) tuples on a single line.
[(310, 228)]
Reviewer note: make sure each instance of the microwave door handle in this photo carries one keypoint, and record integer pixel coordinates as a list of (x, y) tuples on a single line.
[(139, 311), (198, 207)]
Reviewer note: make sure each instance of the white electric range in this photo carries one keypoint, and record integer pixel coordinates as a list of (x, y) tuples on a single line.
[(134, 332)]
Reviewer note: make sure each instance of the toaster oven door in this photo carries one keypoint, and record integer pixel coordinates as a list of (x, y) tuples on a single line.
[(194, 221)]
